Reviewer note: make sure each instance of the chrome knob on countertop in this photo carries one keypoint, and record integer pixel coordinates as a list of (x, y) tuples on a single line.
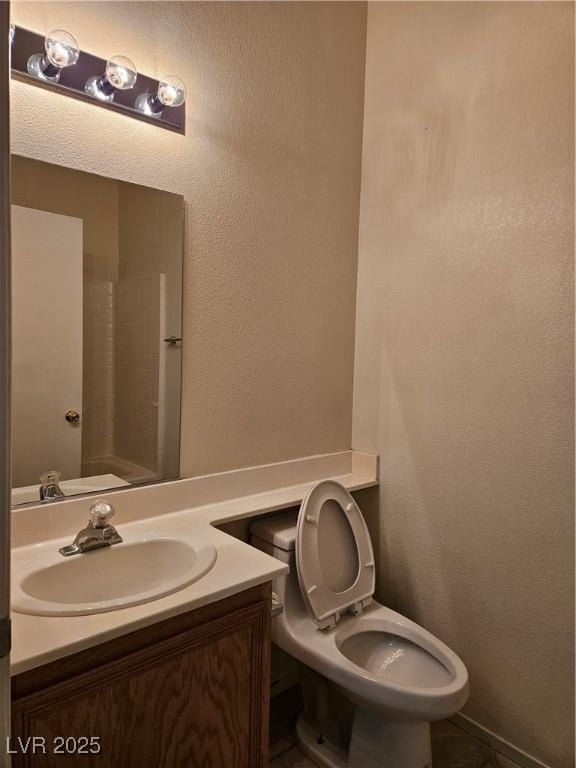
[(100, 512)]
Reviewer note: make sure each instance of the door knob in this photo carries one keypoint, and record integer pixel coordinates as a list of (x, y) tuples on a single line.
[(72, 417)]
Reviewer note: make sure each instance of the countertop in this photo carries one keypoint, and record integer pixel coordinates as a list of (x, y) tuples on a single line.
[(37, 640)]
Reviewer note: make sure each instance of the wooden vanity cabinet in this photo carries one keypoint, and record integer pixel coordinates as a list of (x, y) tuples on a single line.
[(188, 692)]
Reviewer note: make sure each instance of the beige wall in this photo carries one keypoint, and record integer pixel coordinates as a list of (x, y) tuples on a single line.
[(464, 291), (464, 345), (270, 171), (94, 199)]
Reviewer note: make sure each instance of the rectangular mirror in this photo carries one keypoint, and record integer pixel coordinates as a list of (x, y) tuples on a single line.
[(96, 337)]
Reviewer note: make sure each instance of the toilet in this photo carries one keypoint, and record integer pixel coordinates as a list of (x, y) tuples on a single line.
[(398, 676)]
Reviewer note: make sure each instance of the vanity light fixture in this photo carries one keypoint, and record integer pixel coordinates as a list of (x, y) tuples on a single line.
[(61, 51), (171, 93), (94, 80), (120, 75)]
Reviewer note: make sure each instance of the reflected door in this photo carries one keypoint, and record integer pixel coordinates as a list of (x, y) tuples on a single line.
[(47, 267)]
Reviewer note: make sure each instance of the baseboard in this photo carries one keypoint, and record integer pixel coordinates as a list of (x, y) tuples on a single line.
[(497, 743), (320, 751)]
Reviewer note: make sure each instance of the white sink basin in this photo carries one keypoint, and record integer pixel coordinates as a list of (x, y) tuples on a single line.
[(140, 569)]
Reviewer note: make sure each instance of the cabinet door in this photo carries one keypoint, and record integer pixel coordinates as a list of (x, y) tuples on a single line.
[(196, 700)]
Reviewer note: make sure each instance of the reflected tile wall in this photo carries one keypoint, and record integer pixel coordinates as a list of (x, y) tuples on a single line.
[(136, 381), (98, 369)]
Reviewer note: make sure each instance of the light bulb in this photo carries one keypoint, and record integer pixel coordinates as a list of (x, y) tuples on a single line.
[(61, 51), (61, 48), (120, 75), (171, 93)]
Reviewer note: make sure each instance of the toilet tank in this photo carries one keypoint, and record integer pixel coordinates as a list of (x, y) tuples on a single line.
[(278, 531), (276, 535)]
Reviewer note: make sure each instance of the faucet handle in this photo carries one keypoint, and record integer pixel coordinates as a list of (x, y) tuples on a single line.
[(100, 512)]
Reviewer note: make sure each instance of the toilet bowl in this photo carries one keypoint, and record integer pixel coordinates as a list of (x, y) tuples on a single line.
[(397, 674)]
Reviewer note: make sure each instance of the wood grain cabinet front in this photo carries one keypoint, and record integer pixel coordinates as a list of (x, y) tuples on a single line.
[(188, 692)]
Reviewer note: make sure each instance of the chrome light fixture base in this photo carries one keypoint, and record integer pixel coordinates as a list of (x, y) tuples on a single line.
[(94, 89), (37, 66), (147, 105)]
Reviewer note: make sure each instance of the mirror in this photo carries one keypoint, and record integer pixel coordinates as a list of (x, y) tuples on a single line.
[(96, 332)]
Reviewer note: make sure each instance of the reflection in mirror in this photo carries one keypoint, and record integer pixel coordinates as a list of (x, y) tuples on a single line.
[(97, 321)]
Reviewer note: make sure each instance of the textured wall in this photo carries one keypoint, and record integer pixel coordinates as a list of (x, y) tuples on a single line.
[(463, 375), (270, 170)]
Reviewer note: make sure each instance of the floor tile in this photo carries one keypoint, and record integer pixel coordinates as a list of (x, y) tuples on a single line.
[(293, 758), (451, 748), (454, 748), (504, 762)]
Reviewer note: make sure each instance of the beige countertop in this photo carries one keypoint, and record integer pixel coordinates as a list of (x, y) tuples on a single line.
[(39, 639)]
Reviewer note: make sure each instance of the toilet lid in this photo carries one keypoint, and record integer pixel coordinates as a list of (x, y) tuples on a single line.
[(334, 554)]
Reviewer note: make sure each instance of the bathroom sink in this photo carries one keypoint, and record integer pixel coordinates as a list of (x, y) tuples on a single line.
[(140, 569)]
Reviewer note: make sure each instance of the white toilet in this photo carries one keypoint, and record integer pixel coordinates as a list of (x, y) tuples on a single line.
[(398, 676)]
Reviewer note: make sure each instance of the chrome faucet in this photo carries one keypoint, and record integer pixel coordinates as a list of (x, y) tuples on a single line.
[(50, 488), (98, 533)]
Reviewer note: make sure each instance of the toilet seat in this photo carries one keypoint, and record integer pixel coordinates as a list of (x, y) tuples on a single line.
[(334, 555)]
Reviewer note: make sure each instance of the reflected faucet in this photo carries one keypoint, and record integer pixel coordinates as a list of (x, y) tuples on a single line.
[(50, 488)]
